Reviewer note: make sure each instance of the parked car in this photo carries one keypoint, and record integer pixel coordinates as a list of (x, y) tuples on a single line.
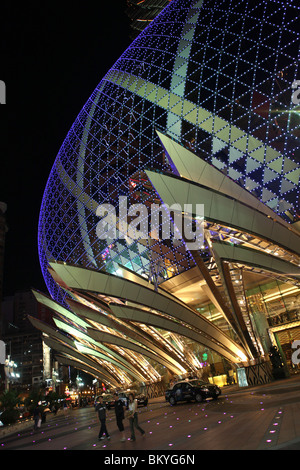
[(123, 396), (194, 389), (108, 399), (141, 398)]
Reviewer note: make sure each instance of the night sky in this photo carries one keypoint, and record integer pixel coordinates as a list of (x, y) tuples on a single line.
[(52, 57)]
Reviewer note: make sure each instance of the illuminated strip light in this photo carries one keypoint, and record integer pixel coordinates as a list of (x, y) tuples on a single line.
[(83, 337), (291, 290), (71, 330), (133, 346), (91, 352)]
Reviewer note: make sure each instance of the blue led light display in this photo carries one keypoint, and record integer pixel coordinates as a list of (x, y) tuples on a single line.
[(219, 77)]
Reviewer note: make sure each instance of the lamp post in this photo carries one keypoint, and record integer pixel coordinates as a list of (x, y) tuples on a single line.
[(79, 384)]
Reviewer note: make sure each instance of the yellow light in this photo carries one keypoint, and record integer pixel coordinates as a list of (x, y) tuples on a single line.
[(278, 295)]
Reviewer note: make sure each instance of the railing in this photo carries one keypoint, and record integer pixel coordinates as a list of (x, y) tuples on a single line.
[(282, 318)]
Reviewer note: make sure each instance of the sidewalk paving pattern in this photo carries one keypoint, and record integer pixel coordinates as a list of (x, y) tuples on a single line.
[(265, 417)]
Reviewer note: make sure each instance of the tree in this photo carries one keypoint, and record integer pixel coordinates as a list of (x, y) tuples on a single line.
[(33, 399), (9, 400)]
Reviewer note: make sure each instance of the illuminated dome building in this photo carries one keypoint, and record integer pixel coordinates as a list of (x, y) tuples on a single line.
[(201, 108)]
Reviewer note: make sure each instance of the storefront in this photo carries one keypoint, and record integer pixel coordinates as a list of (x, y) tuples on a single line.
[(284, 335)]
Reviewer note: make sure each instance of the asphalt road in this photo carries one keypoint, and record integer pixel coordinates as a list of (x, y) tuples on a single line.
[(262, 418)]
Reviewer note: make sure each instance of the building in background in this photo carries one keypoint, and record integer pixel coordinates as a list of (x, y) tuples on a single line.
[(198, 109), (24, 344), (16, 309)]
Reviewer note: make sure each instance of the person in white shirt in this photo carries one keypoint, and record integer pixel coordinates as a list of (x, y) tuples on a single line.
[(133, 418)]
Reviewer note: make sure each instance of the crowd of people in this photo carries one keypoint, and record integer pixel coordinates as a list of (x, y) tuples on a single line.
[(121, 413)]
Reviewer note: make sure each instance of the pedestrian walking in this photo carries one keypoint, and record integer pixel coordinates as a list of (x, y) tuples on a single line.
[(133, 417), (101, 408), (37, 418), (119, 411)]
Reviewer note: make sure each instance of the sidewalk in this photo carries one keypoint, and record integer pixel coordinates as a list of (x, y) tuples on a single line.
[(28, 423), (260, 417), (21, 426)]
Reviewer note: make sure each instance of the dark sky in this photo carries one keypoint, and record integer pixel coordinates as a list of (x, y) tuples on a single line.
[(52, 56)]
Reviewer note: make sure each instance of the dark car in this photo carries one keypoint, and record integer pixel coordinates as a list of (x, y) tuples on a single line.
[(123, 396), (141, 398), (194, 389), (108, 399)]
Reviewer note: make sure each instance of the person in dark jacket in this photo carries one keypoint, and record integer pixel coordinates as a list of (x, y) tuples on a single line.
[(101, 408), (37, 417), (119, 411)]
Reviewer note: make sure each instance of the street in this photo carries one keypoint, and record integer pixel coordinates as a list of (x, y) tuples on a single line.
[(260, 418)]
